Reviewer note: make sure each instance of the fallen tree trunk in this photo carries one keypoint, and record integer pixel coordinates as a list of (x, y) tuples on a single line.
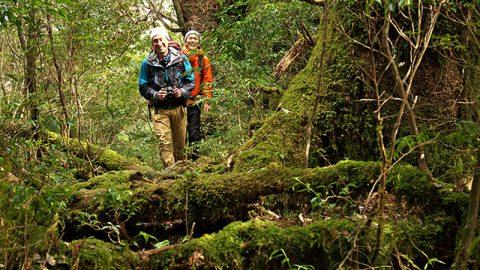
[(258, 244), (220, 196), (125, 198), (322, 244), (293, 58), (216, 199), (104, 157)]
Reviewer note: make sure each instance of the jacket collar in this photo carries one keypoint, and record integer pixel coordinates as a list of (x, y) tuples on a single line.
[(173, 57)]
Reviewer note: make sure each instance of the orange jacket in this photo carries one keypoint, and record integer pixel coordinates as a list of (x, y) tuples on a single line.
[(204, 77)]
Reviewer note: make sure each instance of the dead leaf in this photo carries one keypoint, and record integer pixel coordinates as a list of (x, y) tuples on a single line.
[(51, 260), (196, 259)]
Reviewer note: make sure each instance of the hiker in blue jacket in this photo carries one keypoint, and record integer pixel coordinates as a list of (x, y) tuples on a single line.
[(166, 80)]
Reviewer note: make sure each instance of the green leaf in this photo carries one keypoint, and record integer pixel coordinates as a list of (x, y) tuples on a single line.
[(161, 244), (431, 262), (146, 236)]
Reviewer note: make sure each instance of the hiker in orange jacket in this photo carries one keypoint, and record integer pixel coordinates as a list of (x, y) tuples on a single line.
[(203, 87)]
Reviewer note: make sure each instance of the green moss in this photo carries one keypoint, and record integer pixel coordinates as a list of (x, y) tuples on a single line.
[(282, 138), (249, 245), (109, 180), (215, 199), (323, 244), (109, 193), (96, 254), (455, 202), (6, 167), (229, 196), (409, 182), (105, 157)]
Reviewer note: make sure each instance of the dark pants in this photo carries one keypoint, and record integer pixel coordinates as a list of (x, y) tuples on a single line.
[(193, 128)]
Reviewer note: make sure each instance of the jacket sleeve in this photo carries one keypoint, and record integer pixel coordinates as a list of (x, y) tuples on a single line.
[(145, 90), (207, 75), (188, 79)]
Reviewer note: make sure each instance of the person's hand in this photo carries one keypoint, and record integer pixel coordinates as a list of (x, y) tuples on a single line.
[(177, 93), (206, 107), (162, 94)]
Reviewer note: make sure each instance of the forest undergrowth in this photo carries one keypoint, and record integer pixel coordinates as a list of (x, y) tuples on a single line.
[(342, 135)]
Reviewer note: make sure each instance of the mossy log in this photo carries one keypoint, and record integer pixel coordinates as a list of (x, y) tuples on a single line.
[(258, 244), (102, 156), (95, 254), (213, 197), (322, 244), (222, 198)]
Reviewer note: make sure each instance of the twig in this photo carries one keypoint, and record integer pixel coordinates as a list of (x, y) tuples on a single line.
[(145, 255)]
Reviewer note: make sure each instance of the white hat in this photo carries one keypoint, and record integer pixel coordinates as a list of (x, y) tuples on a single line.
[(192, 32), (157, 31)]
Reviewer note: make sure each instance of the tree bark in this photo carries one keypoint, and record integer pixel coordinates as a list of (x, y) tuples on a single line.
[(471, 80), (28, 44), (471, 222), (58, 69), (177, 5), (309, 128)]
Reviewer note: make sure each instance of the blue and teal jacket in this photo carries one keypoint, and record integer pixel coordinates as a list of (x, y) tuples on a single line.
[(173, 70)]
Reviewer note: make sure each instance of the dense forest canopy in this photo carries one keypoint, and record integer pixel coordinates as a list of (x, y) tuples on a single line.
[(342, 134)]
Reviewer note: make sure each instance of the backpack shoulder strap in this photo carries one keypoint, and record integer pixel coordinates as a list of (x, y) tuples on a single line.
[(200, 61), (185, 59), (200, 66)]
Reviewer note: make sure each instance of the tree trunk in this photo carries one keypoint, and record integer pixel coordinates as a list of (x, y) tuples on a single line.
[(28, 44), (31, 67), (177, 5), (58, 69), (318, 96), (471, 80), (471, 222)]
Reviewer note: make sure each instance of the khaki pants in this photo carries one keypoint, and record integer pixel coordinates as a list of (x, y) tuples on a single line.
[(170, 126)]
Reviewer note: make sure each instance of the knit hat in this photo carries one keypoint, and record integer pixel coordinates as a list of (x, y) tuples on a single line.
[(157, 31), (192, 32)]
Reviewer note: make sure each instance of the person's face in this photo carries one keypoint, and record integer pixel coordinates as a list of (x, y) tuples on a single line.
[(192, 42), (160, 45)]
